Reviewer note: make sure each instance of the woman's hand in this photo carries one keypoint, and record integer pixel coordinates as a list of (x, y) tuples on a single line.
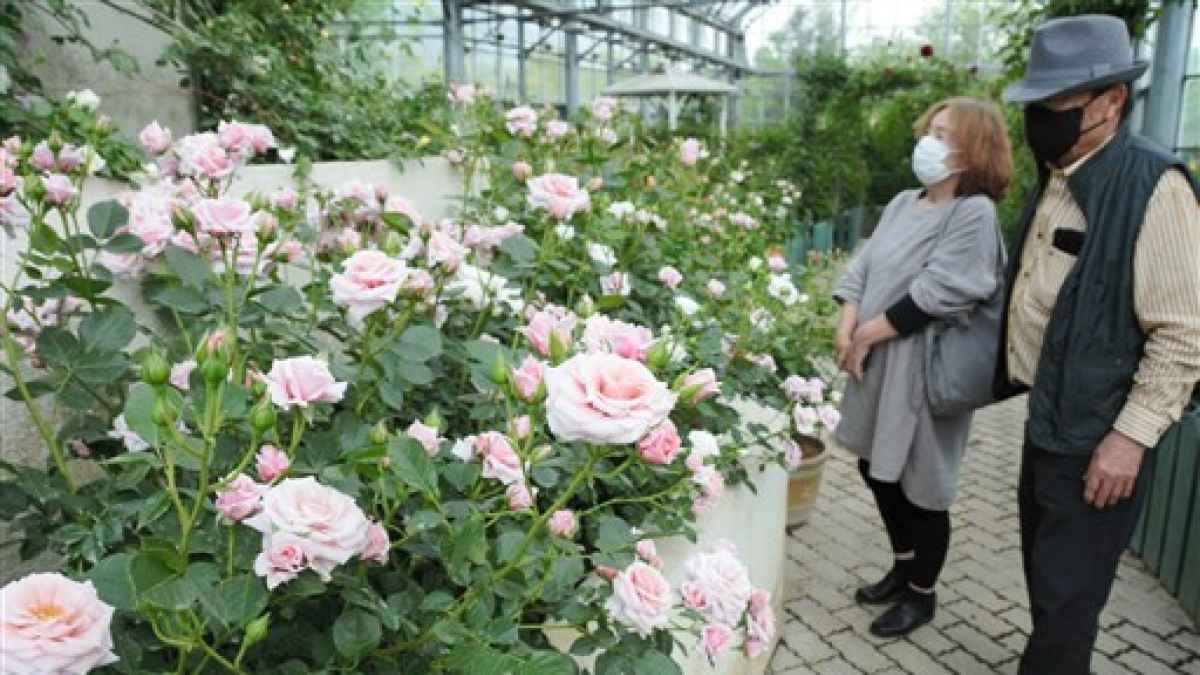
[(865, 338), (843, 337)]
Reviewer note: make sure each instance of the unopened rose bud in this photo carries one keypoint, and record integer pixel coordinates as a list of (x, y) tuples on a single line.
[(379, 433), (499, 370), (433, 419), (393, 245), (256, 631), (164, 413), (262, 417), (155, 369), (595, 183), (658, 356), (215, 370)]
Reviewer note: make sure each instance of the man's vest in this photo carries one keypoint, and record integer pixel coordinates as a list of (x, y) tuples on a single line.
[(1094, 342)]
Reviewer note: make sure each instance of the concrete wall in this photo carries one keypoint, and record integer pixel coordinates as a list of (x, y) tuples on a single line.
[(131, 101)]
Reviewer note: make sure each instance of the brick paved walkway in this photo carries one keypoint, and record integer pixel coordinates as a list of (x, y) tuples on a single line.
[(983, 615)]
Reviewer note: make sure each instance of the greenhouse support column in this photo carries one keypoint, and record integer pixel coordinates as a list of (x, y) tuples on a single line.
[(1166, 84), (610, 71), (724, 115), (571, 66), (452, 41), (521, 93), (672, 111)]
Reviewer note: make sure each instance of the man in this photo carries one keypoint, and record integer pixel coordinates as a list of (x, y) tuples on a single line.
[(1102, 326)]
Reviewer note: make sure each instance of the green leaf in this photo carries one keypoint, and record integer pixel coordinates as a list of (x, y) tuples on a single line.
[(419, 343), (414, 373), (57, 347), (101, 368), (236, 601), (392, 394), (281, 300), (546, 662), (183, 299), (113, 582), (180, 593), (466, 545), (412, 465), (356, 633), (479, 659), (13, 500), (125, 243), (189, 267), (520, 248), (153, 508), (612, 533), (108, 330), (105, 218), (656, 663)]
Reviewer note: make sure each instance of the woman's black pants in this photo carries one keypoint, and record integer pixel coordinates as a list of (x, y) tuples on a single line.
[(911, 528)]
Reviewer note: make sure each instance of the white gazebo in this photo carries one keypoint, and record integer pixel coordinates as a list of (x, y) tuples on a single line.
[(674, 84)]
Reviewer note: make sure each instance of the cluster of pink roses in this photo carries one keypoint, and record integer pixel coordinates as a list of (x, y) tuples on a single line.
[(810, 407), (558, 194), (718, 588), (52, 625)]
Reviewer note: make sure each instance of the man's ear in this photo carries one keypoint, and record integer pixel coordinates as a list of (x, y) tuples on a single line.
[(1116, 100)]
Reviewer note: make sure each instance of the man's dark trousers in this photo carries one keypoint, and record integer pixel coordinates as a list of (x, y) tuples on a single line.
[(1071, 551)]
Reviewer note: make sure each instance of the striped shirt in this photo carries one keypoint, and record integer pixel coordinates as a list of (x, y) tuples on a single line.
[(1166, 298)]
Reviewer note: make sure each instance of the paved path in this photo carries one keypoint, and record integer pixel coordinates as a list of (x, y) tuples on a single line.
[(983, 616)]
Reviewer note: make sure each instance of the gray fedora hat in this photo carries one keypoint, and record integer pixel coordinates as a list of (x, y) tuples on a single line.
[(1074, 54)]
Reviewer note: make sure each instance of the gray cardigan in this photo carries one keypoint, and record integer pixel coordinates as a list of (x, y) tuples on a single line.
[(885, 418)]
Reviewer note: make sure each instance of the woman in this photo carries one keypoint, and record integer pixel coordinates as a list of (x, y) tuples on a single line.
[(934, 255)]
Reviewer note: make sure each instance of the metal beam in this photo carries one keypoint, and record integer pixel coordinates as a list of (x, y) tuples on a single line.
[(571, 67), (452, 41), (1163, 106)]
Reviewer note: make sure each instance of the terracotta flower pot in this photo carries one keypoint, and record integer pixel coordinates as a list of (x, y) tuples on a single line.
[(805, 482)]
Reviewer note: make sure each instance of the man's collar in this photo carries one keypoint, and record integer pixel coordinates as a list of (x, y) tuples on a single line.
[(1067, 172)]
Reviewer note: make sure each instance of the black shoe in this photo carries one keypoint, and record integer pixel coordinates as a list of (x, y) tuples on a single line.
[(911, 611), (885, 590)]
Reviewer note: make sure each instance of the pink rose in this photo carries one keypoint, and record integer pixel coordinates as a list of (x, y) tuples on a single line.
[(59, 189), (800, 389), (602, 334), (776, 262), (378, 544), (123, 265), (563, 524), (522, 171), (443, 250), (425, 435), (552, 323), (557, 129), (661, 445), (521, 427), (711, 482), (223, 217), (283, 558), (348, 240), (332, 526), (717, 639), (605, 398), (271, 463), (9, 181), (236, 137), (70, 156), (805, 420), (793, 454), (369, 281), (558, 194), (500, 461), (693, 596), (527, 379), (700, 385), (285, 198), (154, 138), (670, 277), (604, 107), (760, 599), (690, 152), (521, 121), (400, 205), (724, 581), (647, 551), (760, 627), (418, 283), (240, 499), (301, 381), (51, 625), (616, 283), (461, 94), (715, 288), (641, 599), (518, 497), (830, 417), (42, 157), (261, 138), (180, 372), (289, 251)]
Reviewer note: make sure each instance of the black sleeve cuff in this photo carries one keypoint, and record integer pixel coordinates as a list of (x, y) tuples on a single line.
[(906, 317)]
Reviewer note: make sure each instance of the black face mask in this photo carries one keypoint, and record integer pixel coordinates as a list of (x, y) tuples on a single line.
[(1052, 133)]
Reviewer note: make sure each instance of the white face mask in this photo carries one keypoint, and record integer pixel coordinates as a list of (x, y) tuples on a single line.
[(929, 161)]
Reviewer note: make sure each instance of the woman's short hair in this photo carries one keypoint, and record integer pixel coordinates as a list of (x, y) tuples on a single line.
[(980, 135)]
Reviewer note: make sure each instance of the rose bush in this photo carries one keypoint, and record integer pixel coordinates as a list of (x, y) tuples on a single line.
[(461, 431)]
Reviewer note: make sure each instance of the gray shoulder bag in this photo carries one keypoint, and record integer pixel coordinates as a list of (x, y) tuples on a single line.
[(960, 351)]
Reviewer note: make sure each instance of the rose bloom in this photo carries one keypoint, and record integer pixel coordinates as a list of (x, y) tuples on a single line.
[(661, 445), (331, 524), (715, 288), (271, 462), (518, 497), (9, 181), (500, 461), (670, 277), (793, 454), (605, 398), (830, 417), (240, 499), (70, 157), (51, 625), (760, 626), (602, 334), (724, 581), (693, 596), (202, 155), (521, 121), (418, 284), (427, 436), (378, 544), (690, 152), (608, 136), (711, 483), (221, 217), (301, 381), (717, 638), (704, 445), (154, 138), (604, 107), (558, 194), (563, 524), (43, 157), (557, 129), (180, 372), (59, 189), (647, 551), (552, 322), (285, 198), (443, 250), (369, 281), (702, 384), (522, 171), (283, 558), (528, 378), (776, 262), (641, 599), (123, 265), (461, 94), (616, 283), (805, 419), (521, 427)]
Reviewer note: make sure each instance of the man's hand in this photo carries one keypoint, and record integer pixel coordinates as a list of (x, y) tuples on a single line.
[(1114, 470)]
